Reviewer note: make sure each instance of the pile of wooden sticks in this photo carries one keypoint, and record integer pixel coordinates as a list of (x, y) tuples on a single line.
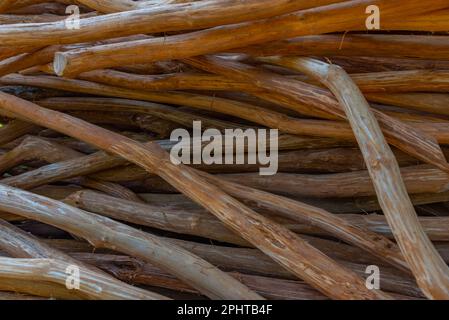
[(92, 205)]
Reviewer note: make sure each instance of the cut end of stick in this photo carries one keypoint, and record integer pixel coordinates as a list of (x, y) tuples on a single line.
[(60, 64)]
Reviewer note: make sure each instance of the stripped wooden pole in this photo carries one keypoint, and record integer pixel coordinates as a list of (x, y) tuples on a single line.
[(349, 15), (19, 244), (106, 233), (280, 244), (190, 16), (431, 272)]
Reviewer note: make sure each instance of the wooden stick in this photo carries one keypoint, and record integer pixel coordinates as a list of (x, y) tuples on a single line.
[(357, 236), (193, 222), (66, 169), (39, 288), (36, 148), (54, 271), (103, 232), (249, 112), (396, 131), (327, 19), (428, 102), (21, 245), (15, 129), (397, 81), (110, 6), (205, 227), (261, 232), (382, 64), (429, 269), (403, 81), (418, 179), (147, 274), (363, 45), (190, 16), (430, 22)]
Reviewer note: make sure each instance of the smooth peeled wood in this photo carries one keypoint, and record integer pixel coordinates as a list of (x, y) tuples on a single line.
[(19, 244), (280, 244), (349, 15), (429, 269), (104, 232), (362, 45), (399, 134), (189, 16)]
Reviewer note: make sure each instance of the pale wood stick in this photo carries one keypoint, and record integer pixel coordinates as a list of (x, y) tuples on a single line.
[(196, 222), (397, 81), (398, 133), (249, 112), (429, 269), (145, 273), (28, 60), (261, 232), (39, 288), (209, 231), (19, 244), (103, 232), (241, 257), (37, 148), (111, 6), (128, 211), (417, 179), (54, 271), (338, 17), (45, 55), (79, 166)]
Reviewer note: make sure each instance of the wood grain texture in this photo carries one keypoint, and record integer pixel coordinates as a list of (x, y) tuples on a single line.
[(431, 272), (277, 242)]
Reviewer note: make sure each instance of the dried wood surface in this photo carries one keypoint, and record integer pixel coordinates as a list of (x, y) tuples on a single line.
[(88, 117)]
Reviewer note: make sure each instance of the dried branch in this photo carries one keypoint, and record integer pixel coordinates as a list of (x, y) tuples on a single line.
[(431, 272), (261, 232)]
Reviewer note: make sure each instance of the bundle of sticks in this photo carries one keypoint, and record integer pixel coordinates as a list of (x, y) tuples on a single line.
[(91, 93)]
